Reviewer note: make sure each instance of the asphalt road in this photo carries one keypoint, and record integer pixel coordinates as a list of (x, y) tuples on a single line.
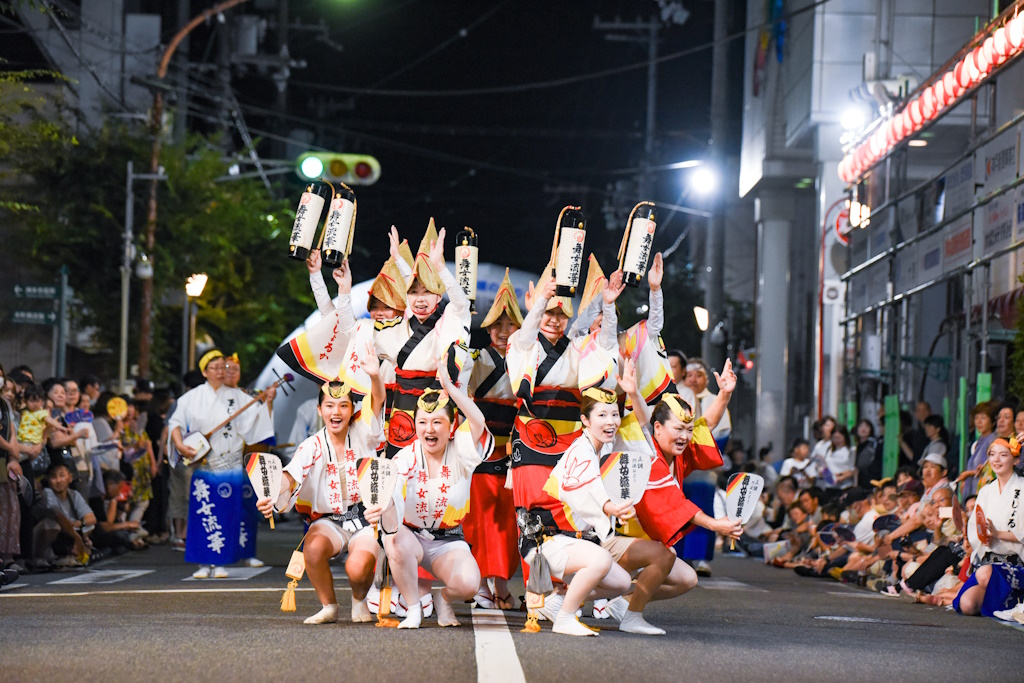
[(140, 617)]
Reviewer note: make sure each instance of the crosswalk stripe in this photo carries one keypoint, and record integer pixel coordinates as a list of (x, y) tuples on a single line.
[(103, 576), (496, 658), (236, 574), (724, 584)]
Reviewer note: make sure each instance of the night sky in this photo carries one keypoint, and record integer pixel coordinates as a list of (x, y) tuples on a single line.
[(504, 163)]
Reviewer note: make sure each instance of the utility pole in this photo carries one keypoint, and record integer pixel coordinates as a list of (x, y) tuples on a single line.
[(714, 254), (643, 32), (156, 115)]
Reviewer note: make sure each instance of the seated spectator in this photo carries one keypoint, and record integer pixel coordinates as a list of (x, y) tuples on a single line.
[(61, 536), (839, 470), (799, 464), (785, 495), (810, 501), (933, 475), (114, 530)]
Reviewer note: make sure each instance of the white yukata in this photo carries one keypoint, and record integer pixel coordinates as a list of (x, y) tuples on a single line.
[(326, 488), (433, 508), (412, 349), (222, 506), (1004, 510)]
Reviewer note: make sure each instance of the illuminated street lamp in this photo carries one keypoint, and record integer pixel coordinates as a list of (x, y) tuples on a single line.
[(702, 317), (193, 290)]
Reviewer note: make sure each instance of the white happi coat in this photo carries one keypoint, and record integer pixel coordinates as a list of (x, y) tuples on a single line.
[(576, 479), (325, 479), (441, 502), (452, 327), (202, 409), (1003, 509)]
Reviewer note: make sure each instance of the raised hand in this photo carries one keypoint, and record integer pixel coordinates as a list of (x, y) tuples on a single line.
[(394, 243), (313, 263), (343, 276), (727, 380), (656, 273), (614, 288), (368, 361), (628, 378), (437, 251)]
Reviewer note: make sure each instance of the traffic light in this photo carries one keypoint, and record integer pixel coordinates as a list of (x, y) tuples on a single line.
[(745, 360), (351, 169)]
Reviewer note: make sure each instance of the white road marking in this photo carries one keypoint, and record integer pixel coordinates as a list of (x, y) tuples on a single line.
[(145, 591), (103, 576), (236, 574), (496, 658), (723, 584), (857, 594)]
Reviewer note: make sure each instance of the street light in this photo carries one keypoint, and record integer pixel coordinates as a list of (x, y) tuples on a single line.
[(701, 314), (704, 181), (193, 290)]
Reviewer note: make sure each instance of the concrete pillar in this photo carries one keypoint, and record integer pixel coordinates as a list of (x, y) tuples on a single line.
[(775, 215)]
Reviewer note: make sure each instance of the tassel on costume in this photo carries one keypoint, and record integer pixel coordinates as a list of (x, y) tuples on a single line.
[(531, 625), (288, 599), (384, 609)]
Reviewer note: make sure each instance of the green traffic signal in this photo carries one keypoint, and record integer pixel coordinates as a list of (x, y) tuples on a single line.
[(351, 169)]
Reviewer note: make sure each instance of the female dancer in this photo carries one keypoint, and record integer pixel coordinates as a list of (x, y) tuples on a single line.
[(438, 468), (320, 482), (413, 343), (490, 525)]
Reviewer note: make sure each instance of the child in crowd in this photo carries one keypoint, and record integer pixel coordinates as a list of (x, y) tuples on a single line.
[(36, 423)]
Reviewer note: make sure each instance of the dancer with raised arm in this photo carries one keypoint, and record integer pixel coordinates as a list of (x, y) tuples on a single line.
[(320, 483), (437, 468)]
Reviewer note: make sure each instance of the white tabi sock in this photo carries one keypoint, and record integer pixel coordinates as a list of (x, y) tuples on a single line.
[(566, 623), (327, 615), (552, 603), (634, 622), (413, 617), (360, 611), (445, 613)]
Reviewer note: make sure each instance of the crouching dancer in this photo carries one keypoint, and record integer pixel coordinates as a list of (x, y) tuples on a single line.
[(321, 483), (438, 469)]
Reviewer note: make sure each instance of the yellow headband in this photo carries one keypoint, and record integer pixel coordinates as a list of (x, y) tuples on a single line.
[(209, 356), (336, 389), (600, 395), (676, 403), (438, 400), (234, 359)]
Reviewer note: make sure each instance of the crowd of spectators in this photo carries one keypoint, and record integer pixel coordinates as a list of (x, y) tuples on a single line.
[(87, 471), (916, 536)]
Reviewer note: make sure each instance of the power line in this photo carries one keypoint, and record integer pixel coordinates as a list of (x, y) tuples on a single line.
[(556, 82)]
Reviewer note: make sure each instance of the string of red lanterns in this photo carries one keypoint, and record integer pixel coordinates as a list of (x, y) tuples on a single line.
[(1005, 42)]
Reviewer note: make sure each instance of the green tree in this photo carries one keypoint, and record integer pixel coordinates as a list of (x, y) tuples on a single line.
[(230, 229)]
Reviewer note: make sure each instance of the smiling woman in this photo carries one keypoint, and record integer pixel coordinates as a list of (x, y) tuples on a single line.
[(438, 469)]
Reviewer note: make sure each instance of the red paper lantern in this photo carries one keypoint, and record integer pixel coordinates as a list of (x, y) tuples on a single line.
[(908, 122), (963, 76), (890, 133), (927, 104), (1001, 44), (976, 65), (915, 113), (950, 87), (938, 93), (988, 50), (1016, 33)]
